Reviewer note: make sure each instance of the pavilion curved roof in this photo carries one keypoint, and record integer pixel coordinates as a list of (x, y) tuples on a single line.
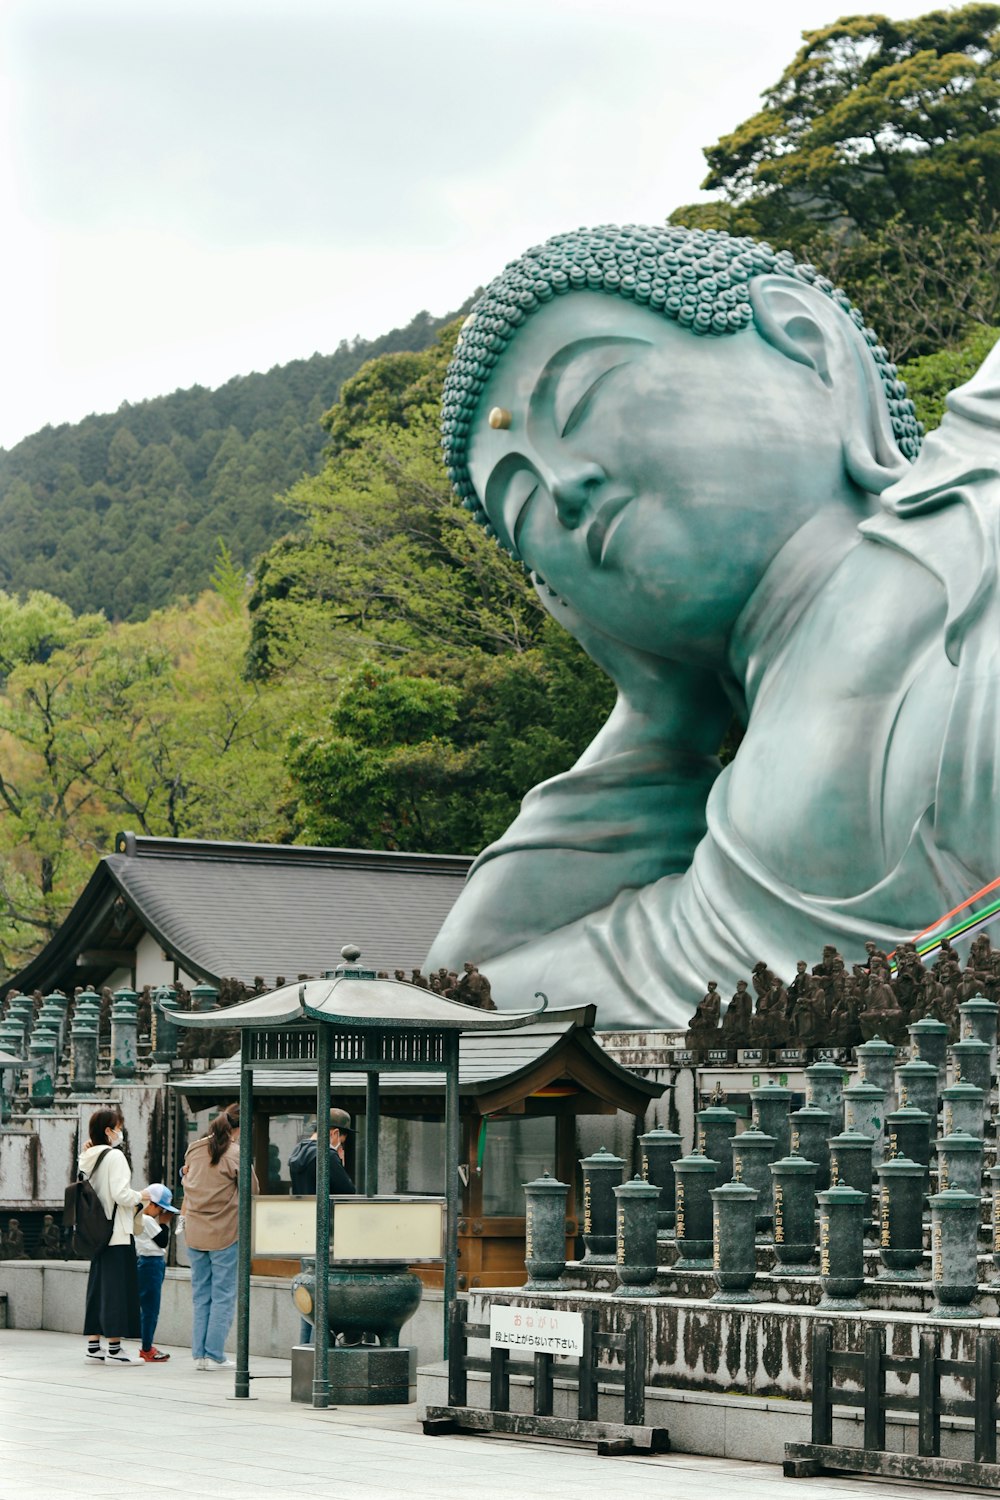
[(359, 1002)]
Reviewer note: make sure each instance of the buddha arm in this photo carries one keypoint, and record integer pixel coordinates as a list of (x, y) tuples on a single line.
[(629, 812)]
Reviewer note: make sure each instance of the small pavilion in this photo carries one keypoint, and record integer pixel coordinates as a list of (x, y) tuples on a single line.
[(354, 1021)]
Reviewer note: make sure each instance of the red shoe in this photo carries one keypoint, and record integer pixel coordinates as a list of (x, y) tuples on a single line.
[(152, 1356)]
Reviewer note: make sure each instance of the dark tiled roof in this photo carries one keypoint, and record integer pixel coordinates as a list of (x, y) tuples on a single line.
[(487, 1061), (235, 911)]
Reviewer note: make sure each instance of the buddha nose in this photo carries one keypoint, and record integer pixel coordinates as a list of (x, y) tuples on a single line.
[(573, 489)]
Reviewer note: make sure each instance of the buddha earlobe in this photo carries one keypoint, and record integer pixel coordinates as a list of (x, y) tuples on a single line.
[(805, 325)]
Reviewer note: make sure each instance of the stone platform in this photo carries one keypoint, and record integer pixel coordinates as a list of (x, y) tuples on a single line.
[(363, 1376), (761, 1350)]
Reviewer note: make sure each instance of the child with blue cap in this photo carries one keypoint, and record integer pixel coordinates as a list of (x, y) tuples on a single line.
[(152, 1235)]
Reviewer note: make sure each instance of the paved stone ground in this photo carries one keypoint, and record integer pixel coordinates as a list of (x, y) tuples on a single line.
[(62, 1418)]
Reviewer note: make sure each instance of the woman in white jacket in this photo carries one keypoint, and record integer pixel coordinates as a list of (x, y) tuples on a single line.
[(112, 1287)]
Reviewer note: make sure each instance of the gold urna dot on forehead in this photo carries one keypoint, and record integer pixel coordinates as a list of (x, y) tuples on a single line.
[(500, 417)]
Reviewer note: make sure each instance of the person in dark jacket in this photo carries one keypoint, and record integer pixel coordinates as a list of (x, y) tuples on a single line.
[(302, 1162), (302, 1170)]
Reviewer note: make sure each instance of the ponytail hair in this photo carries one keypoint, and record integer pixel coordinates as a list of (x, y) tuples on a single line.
[(220, 1133)]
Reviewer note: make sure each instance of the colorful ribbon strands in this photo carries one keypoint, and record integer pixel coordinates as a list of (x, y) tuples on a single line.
[(968, 923)]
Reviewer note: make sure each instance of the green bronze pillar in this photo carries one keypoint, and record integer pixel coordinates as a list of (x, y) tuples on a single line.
[(811, 1131), (165, 1005), (929, 1043), (84, 1037), (964, 1110), (864, 1110), (917, 1085), (971, 1062), (851, 1164), (753, 1153), (954, 1246), (545, 1233), (876, 1062), (602, 1173), (55, 1007), (902, 1185), (770, 1105), (824, 1088), (960, 1163), (908, 1133), (22, 1008), (42, 1051), (734, 1254), (979, 1020), (842, 1214), (660, 1149), (204, 997), (696, 1177), (717, 1125), (637, 1205), (795, 1214), (124, 1033)]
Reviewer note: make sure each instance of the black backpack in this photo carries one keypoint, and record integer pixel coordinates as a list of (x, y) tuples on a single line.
[(83, 1213)]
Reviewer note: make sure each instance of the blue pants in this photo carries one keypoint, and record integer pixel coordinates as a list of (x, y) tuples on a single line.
[(151, 1270), (213, 1300)]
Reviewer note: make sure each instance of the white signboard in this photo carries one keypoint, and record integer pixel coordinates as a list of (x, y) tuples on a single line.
[(537, 1330)]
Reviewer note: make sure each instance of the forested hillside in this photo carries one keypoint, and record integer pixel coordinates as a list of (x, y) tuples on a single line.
[(123, 512)]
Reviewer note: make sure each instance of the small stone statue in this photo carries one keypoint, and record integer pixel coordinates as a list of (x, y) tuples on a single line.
[(399, 975), (737, 1023), (474, 988), (703, 1029), (419, 980), (51, 1241), (12, 1243)]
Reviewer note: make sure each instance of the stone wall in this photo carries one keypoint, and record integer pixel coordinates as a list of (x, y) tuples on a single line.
[(50, 1294)]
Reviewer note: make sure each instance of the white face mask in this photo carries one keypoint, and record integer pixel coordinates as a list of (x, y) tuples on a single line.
[(116, 1137)]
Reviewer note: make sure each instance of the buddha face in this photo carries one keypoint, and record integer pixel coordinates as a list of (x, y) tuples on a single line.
[(649, 475)]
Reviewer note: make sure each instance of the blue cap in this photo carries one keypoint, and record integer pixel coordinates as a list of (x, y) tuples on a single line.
[(161, 1195)]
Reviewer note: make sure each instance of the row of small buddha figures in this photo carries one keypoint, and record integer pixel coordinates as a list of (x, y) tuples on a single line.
[(50, 1244), (826, 1006)]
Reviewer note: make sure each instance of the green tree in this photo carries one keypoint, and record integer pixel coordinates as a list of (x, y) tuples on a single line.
[(873, 119), (931, 378)]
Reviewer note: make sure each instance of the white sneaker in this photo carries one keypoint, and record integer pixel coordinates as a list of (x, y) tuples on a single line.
[(220, 1364), (97, 1354), (122, 1358), (201, 1364)]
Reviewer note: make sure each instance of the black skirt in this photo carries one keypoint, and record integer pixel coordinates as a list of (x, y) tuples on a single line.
[(113, 1294)]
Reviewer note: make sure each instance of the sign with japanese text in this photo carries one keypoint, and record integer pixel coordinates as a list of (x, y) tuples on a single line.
[(536, 1329)]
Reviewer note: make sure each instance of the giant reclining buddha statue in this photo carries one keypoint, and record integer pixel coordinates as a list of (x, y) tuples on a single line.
[(714, 475)]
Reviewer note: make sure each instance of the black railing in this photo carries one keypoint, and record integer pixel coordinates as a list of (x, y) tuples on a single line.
[(588, 1374), (867, 1370)]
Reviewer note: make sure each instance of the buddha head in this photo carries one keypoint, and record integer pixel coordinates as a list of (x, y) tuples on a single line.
[(645, 416)]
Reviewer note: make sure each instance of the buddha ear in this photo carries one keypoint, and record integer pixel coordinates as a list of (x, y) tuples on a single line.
[(805, 325)]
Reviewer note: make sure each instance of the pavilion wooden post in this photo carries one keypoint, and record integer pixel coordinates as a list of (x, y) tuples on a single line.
[(452, 1143), (242, 1387), (372, 1105), (321, 1325)]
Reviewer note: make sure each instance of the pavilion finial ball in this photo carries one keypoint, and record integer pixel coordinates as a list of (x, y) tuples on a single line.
[(350, 952)]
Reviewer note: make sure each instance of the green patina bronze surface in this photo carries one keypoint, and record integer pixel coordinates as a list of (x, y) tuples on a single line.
[(902, 1185), (842, 1215), (545, 1232), (954, 1243), (739, 519), (660, 1148), (602, 1173)]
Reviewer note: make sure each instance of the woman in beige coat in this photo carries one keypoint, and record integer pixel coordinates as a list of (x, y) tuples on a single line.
[(211, 1229)]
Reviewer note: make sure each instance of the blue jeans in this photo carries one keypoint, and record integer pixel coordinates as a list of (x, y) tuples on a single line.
[(213, 1300), (151, 1270)]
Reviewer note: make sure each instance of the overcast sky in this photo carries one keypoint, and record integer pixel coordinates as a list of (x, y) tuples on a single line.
[(199, 189)]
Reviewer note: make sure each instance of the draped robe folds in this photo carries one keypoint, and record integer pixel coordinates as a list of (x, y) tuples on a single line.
[(862, 804)]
